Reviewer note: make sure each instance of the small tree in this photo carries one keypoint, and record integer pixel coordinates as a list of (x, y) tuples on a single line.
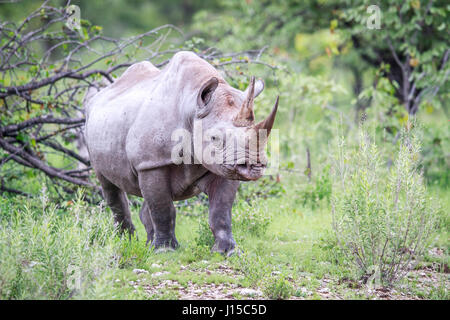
[(410, 44), (382, 217)]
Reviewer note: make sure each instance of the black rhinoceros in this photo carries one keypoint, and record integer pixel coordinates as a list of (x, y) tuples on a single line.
[(129, 132)]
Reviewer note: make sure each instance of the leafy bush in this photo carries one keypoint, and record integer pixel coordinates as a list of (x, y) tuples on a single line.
[(313, 193), (204, 237), (253, 265), (278, 288), (251, 219), (133, 253), (264, 188), (436, 142), (199, 252), (382, 217), (196, 206), (48, 255)]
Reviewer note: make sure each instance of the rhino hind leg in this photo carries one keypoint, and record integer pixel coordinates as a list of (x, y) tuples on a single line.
[(155, 188), (146, 219), (118, 202)]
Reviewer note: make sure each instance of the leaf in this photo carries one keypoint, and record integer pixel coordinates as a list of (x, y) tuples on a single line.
[(414, 62), (333, 25), (429, 107), (290, 165), (415, 4)]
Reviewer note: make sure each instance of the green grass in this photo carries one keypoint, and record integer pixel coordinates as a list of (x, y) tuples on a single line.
[(293, 255)]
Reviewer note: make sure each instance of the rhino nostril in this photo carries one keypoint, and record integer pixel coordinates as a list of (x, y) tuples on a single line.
[(249, 166), (256, 166)]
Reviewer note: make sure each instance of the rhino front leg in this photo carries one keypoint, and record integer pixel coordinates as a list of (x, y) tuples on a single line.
[(155, 187), (146, 219), (221, 193), (118, 202)]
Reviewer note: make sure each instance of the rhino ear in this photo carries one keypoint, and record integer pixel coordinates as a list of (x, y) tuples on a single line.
[(259, 87), (207, 91)]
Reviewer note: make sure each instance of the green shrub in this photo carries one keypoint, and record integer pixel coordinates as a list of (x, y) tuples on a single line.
[(436, 143), (199, 252), (49, 255), (382, 217), (133, 253), (251, 219), (204, 237), (314, 193), (266, 187), (253, 265), (278, 288), (195, 207), (248, 219)]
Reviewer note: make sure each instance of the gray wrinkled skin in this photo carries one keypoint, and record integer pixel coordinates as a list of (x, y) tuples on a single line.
[(128, 135)]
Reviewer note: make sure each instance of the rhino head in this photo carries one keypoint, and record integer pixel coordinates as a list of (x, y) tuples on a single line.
[(232, 142)]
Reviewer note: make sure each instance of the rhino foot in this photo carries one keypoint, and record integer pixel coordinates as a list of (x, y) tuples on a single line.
[(165, 244), (225, 247), (127, 231)]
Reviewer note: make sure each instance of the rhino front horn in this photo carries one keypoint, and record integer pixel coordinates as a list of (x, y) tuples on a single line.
[(267, 123)]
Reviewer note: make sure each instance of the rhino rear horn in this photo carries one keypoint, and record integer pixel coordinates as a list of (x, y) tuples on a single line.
[(259, 87), (246, 115)]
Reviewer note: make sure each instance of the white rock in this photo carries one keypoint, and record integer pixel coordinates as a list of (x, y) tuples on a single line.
[(250, 292), (306, 291), (139, 271), (158, 274), (32, 264), (324, 290)]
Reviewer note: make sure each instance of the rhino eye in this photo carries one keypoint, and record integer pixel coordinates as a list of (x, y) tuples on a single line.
[(215, 139)]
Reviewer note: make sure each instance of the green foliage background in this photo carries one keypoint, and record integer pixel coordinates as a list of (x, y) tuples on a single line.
[(333, 75)]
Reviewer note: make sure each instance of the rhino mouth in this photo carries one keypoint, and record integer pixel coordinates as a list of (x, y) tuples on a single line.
[(246, 171)]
